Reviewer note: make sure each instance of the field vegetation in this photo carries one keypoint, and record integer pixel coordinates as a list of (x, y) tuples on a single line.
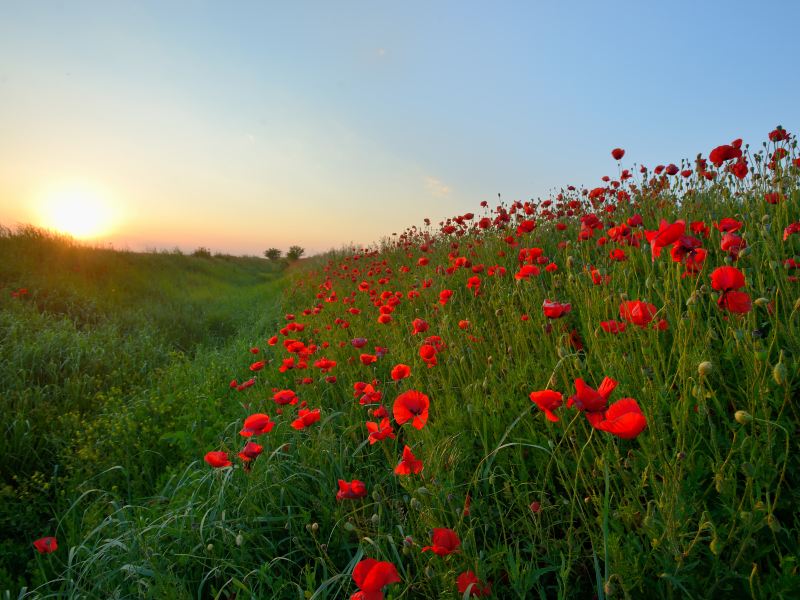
[(594, 395)]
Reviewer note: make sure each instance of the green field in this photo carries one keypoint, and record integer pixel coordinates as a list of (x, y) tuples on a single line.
[(111, 370)]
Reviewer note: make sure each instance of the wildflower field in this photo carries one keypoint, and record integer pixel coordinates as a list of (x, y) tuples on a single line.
[(593, 395)]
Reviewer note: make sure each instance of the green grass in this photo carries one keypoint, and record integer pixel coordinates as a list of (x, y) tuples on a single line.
[(100, 370)]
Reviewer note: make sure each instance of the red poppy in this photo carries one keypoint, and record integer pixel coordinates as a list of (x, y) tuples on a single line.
[(305, 418), (623, 419), (378, 432), (614, 327), (325, 365), (735, 302), (371, 576), (352, 490), (723, 153), (443, 542), (400, 371), (419, 326), (617, 254), (251, 451), (637, 312), (463, 324), (468, 580), (46, 545), (444, 296), (555, 310), (217, 459), (285, 397), (588, 399), (725, 279), (618, 153), (257, 424), (778, 134), (409, 463), (411, 406), (547, 401), (727, 225), (428, 353), (368, 359), (257, 366), (666, 234)]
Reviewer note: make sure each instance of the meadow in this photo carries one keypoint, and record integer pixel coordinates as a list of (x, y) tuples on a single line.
[(593, 395)]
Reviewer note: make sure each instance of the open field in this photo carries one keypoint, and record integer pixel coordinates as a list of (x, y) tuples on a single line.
[(591, 396)]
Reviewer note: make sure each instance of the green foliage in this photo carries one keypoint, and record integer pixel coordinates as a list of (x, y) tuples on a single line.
[(272, 253)]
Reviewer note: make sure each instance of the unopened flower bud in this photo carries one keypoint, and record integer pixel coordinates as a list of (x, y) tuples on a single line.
[(705, 368), (743, 417)]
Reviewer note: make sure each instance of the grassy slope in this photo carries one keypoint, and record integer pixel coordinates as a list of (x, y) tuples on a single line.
[(106, 345), (698, 505)]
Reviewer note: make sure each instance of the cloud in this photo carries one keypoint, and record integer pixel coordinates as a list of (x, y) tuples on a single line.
[(436, 187)]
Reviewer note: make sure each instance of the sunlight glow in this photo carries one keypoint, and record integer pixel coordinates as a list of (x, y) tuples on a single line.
[(78, 210)]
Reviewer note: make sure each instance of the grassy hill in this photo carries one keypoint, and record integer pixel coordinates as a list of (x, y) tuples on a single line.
[(96, 346)]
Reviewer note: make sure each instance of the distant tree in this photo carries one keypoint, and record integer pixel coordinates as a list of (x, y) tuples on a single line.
[(202, 252), (295, 252), (272, 253)]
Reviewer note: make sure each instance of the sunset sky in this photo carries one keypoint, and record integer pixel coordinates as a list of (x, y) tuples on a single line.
[(240, 126)]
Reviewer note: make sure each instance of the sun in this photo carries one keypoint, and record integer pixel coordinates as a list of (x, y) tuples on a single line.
[(78, 210)]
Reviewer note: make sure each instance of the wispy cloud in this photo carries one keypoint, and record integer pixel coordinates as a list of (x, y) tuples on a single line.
[(436, 187)]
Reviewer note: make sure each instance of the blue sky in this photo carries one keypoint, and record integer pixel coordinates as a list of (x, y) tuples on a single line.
[(247, 125)]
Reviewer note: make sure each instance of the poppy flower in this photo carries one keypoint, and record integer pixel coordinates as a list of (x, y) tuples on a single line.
[(371, 576), (378, 432), (728, 224), (305, 418), (623, 419), (257, 366), (724, 153), (46, 545), (614, 327), (285, 397), (409, 463), (443, 542), (732, 244), (217, 459), (589, 399), (428, 353), (618, 153), (468, 580), (257, 424), (778, 134), (251, 451), (352, 490), (400, 371), (368, 359), (246, 384), (411, 406), (358, 342), (725, 279), (637, 312), (735, 302), (444, 296), (666, 235), (547, 401), (324, 365), (419, 326), (555, 310)]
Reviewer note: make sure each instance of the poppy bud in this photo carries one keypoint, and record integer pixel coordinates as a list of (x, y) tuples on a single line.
[(705, 368), (315, 527), (772, 522), (765, 219), (715, 546), (376, 518), (779, 373), (743, 417), (349, 526), (761, 302), (239, 539), (415, 504)]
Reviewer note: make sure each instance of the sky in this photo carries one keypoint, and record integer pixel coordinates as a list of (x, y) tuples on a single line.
[(243, 126)]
